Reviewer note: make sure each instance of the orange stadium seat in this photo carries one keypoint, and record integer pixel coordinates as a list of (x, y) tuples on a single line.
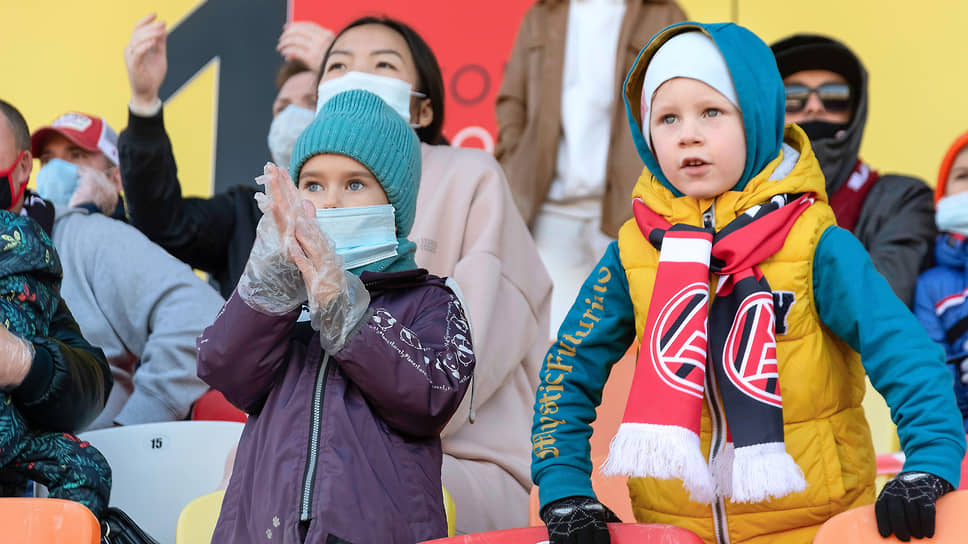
[(859, 526), (212, 406), (47, 521)]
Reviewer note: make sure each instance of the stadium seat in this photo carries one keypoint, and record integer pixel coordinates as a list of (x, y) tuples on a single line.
[(859, 526), (158, 468), (196, 523), (31, 520), (620, 533), (212, 406), (450, 509)]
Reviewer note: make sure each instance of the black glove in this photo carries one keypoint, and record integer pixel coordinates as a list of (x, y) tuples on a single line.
[(905, 506), (578, 520)]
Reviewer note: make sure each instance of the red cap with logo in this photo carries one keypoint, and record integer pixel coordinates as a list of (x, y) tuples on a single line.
[(86, 131)]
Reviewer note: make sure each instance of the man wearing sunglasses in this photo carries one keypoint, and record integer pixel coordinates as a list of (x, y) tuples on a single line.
[(891, 215)]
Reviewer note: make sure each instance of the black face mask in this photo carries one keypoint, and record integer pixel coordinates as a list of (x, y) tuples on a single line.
[(819, 130), (7, 196)]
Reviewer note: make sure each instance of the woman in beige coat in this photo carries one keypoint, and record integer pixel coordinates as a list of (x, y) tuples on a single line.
[(466, 228)]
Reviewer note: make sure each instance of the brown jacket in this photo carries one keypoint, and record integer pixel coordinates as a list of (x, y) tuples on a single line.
[(529, 106)]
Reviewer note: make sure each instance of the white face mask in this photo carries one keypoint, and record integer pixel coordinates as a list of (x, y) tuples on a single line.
[(952, 213), (57, 180), (395, 92), (285, 130), (362, 235)]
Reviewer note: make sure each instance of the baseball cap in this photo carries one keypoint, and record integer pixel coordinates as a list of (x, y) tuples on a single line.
[(88, 132)]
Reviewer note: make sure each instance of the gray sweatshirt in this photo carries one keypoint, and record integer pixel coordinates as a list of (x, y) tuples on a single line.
[(140, 305)]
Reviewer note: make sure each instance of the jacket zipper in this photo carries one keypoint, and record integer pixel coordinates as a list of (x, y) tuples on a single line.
[(716, 417), (312, 459)]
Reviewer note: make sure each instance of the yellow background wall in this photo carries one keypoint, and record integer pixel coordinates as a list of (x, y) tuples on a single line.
[(57, 56)]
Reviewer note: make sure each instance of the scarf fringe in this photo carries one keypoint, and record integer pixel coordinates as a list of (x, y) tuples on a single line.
[(664, 452), (764, 471)]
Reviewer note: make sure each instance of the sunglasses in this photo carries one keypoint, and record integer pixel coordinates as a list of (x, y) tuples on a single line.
[(835, 97)]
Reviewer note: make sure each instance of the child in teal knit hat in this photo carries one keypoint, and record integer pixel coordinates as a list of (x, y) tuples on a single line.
[(348, 407)]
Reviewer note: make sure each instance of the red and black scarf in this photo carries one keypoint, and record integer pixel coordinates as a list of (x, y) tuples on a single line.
[(659, 435)]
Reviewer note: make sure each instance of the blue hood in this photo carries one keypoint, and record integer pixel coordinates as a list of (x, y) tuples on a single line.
[(758, 85), (950, 251)]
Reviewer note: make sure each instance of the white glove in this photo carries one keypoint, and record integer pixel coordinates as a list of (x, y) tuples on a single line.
[(271, 282), (964, 370), (93, 186), (338, 300)]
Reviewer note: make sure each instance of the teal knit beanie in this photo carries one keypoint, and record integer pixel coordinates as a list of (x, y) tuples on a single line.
[(360, 125)]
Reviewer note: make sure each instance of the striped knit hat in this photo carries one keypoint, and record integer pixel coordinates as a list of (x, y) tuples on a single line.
[(360, 125)]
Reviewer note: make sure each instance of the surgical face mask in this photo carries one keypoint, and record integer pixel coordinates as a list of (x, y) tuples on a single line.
[(285, 130), (395, 92), (57, 180), (952, 213), (362, 235)]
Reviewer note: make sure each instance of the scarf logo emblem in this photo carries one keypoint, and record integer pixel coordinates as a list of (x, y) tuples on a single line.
[(679, 340), (750, 350)]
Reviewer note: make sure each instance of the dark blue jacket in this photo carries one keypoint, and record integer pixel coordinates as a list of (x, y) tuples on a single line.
[(939, 303)]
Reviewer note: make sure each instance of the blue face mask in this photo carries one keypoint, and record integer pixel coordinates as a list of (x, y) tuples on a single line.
[(952, 214), (56, 181), (362, 235)]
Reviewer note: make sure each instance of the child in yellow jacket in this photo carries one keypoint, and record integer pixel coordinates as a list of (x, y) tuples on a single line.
[(756, 317)]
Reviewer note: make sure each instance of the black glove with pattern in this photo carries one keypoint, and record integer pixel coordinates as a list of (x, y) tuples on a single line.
[(906, 505), (578, 520)]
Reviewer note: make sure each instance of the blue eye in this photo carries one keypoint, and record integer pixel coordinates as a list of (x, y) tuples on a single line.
[(713, 112), (356, 185), (314, 188), (668, 119)]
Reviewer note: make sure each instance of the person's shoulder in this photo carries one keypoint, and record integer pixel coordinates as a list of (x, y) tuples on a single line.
[(465, 157)]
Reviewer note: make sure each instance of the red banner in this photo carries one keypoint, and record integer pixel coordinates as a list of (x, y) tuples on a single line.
[(472, 42)]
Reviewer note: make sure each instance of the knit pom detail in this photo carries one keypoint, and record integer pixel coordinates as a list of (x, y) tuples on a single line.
[(764, 471), (663, 452)]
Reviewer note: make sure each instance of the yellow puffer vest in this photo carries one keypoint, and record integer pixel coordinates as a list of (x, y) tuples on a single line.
[(821, 378)]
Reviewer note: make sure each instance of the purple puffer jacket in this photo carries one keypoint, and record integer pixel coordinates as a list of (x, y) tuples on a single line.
[(341, 447)]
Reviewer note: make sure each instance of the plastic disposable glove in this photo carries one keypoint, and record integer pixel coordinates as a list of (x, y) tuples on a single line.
[(338, 300), (906, 505), (271, 283), (94, 187), (16, 356), (578, 520)]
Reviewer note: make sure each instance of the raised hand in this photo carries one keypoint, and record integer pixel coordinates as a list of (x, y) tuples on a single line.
[(146, 59), (305, 41)]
